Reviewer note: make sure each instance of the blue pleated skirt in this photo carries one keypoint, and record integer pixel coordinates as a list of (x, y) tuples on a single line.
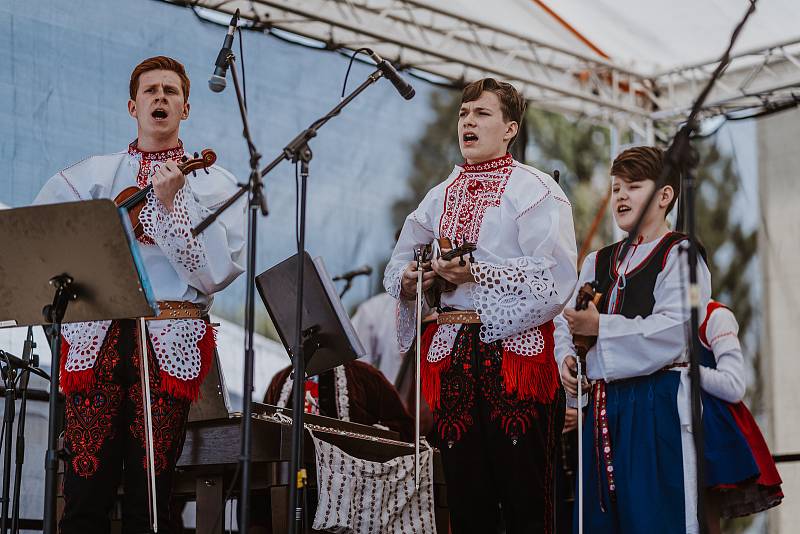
[(729, 460), (645, 432)]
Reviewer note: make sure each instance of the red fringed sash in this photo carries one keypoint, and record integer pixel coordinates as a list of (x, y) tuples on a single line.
[(529, 377), (533, 377), (190, 389), (74, 381), (431, 373)]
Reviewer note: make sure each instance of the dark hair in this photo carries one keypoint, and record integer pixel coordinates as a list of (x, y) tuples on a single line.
[(159, 63), (641, 163), (511, 102)]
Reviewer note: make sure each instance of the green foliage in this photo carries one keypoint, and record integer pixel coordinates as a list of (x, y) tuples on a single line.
[(434, 153), (731, 248), (579, 150)]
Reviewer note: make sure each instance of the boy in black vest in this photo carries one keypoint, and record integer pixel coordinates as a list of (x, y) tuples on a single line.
[(639, 466)]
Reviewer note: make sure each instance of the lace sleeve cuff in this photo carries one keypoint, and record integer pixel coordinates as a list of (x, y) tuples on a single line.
[(172, 230), (513, 298), (406, 313)]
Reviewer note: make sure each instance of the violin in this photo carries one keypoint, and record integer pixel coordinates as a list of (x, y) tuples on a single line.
[(586, 294), (132, 198), (424, 255)]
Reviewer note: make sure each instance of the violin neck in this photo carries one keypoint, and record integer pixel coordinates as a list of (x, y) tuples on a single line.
[(456, 252)]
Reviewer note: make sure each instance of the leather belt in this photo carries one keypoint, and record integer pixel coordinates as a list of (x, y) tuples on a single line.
[(458, 317), (179, 309)]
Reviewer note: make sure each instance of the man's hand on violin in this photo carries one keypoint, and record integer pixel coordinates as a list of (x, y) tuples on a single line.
[(569, 376), (167, 181), (585, 322), (408, 284), (452, 270)]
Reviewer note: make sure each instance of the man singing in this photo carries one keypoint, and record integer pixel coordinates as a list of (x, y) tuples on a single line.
[(104, 434), (488, 369)]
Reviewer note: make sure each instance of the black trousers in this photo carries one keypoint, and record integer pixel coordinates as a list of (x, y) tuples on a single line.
[(104, 437), (499, 453)]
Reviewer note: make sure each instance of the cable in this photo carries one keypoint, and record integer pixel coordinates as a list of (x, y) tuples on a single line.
[(349, 65), (241, 61)]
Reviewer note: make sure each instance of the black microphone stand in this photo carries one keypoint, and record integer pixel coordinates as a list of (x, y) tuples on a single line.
[(297, 151), (53, 314), (9, 379), (13, 370), (680, 158), (19, 458)]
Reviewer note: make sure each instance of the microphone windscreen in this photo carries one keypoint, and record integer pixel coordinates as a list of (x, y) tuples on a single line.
[(217, 83)]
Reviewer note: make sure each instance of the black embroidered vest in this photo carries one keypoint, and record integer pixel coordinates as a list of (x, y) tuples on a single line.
[(635, 297)]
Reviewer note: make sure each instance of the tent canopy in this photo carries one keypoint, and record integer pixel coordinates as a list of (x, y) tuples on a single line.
[(623, 61)]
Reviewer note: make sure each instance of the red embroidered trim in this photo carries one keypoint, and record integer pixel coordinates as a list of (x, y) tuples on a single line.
[(431, 372), (91, 407), (149, 163), (466, 200), (74, 381), (490, 165), (158, 155), (712, 306), (77, 195), (169, 415), (89, 424), (602, 443)]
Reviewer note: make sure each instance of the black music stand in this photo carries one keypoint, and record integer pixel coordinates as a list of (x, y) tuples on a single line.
[(329, 339), (66, 263)]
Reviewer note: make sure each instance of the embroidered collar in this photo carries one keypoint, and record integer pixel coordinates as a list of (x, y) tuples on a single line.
[(159, 155), (490, 165)]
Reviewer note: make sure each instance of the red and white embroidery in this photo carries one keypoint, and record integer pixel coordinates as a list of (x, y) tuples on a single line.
[(476, 189), (150, 162)]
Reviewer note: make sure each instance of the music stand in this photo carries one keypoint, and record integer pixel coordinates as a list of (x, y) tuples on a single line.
[(329, 339), (66, 263)]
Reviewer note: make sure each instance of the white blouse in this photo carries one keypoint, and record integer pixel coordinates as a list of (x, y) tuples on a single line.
[(727, 380)]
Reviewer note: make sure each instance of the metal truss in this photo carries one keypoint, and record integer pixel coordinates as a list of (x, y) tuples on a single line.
[(756, 81), (414, 34), (430, 39)]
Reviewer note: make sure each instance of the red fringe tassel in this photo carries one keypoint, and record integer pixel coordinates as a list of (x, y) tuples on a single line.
[(190, 389), (533, 377), (431, 372), (72, 381)]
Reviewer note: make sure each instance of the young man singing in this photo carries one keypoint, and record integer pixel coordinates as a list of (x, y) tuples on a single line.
[(104, 434), (488, 371)]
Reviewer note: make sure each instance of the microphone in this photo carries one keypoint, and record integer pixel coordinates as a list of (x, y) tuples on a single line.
[(349, 275), (388, 70), (217, 81), (18, 363)]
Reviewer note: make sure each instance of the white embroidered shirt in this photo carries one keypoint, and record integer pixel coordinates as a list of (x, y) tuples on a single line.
[(524, 266), (179, 266)]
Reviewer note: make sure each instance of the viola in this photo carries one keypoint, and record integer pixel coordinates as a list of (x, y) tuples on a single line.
[(586, 294), (433, 295), (132, 198)]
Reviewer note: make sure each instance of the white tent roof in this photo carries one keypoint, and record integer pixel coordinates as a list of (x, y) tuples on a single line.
[(655, 37)]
